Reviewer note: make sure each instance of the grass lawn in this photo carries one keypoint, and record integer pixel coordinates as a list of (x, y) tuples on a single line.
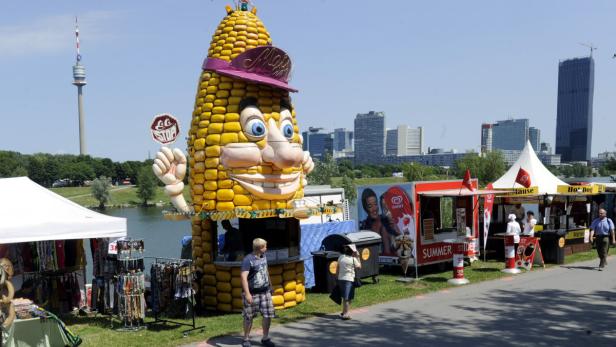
[(96, 332), (120, 195), (337, 181)]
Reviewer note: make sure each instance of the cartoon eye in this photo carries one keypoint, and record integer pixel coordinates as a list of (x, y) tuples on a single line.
[(253, 123), (287, 128), (255, 127)]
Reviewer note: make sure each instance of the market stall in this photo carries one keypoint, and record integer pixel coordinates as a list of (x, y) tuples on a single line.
[(45, 243), (247, 168), (427, 214), (562, 211)]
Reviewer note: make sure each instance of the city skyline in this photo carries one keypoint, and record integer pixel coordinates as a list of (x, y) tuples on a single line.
[(448, 67)]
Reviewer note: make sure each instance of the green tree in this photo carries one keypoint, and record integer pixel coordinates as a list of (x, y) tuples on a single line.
[(100, 190), (323, 171), (19, 171), (146, 184), (493, 166), (414, 172), (350, 190)]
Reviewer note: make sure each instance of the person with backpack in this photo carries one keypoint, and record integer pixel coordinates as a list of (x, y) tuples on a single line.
[(602, 232)]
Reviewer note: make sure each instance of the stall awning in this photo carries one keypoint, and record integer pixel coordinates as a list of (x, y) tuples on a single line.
[(30, 212), (463, 192), (540, 177)]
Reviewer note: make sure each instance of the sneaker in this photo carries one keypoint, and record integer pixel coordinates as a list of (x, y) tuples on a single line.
[(268, 343), (246, 343), (600, 268), (346, 317)]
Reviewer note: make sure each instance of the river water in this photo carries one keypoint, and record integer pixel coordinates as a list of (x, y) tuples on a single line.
[(162, 237)]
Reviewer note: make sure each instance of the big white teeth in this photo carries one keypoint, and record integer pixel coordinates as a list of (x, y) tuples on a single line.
[(269, 185)]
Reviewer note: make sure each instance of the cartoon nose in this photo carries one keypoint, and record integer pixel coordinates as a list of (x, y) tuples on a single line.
[(278, 150)]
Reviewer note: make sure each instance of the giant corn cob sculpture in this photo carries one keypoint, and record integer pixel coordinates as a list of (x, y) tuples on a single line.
[(244, 154)]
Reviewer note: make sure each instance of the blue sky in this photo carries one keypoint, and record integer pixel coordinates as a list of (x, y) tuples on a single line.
[(445, 65)]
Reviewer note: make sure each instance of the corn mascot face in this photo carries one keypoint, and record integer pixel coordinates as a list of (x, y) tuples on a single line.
[(244, 143)]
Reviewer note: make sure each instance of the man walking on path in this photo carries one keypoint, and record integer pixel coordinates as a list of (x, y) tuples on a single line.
[(602, 230), (257, 292)]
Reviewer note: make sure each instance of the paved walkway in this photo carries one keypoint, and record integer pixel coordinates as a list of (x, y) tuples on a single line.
[(570, 305)]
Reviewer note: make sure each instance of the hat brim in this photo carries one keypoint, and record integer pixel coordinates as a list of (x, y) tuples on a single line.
[(252, 77)]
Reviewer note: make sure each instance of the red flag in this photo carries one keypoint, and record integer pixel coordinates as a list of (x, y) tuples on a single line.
[(523, 178), (467, 180)]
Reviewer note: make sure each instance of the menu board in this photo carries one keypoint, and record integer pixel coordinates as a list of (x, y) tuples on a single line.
[(428, 228), (461, 220)]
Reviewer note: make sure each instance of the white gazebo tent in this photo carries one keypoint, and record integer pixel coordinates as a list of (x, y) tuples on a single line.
[(540, 176), (30, 212)]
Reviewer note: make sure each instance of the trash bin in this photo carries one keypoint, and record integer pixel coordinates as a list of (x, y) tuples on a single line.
[(552, 244), (324, 265), (368, 245)]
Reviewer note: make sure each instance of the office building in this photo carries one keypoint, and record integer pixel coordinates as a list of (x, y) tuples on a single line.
[(546, 148), (574, 109), (391, 142), (510, 134), (343, 140), (369, 134), (534, 136), (486, 137), (410, 140), (318, 142)]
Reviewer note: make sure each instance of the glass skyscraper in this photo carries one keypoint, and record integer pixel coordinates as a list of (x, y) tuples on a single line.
[(534, 136), (369, 135), (576, 80), (510, 134)]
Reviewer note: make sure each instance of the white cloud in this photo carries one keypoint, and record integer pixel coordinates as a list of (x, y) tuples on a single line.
[(49, 35)]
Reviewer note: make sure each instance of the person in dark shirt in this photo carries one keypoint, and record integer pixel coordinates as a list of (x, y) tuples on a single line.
[(233, 242)]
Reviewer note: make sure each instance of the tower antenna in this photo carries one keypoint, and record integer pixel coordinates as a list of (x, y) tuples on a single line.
[(590, 46)]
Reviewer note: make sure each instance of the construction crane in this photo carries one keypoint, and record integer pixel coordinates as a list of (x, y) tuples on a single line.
[(592, 48)]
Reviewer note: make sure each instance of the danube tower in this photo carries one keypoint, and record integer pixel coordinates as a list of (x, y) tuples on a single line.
[(79, 79)]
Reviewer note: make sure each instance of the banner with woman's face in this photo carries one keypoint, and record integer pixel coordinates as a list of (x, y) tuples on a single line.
[(388, 211)]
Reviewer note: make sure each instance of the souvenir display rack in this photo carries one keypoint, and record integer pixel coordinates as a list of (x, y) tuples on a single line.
[(130, 285), (182, 285)]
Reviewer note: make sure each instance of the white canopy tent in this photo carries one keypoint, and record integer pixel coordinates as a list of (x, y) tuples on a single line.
[(540, 176), (29, 212)]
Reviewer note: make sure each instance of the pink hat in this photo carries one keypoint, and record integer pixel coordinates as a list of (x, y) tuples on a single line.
[(266, 64)]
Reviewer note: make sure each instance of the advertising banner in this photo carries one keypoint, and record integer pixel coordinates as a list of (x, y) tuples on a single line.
[(529, 253), (488, 202), (388, 211)]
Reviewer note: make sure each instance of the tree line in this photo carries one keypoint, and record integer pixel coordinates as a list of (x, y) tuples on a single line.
[(45, 169)]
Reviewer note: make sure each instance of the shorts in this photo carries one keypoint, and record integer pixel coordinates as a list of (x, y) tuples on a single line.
[(347, 291), (261, 302)]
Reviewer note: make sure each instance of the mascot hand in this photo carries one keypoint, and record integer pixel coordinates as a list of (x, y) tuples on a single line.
[(307, 163), (170, 167)]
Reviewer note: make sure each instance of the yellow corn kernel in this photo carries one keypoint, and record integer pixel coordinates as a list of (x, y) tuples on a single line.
[(215, 128), (239, 190), (210, 185), (224, 183), (212, 151), (238, 92), (199, 167), (209, 195), (221, 102), (212, 162), (224, 194), (217, 118), (204, 123), (202, 133), (213, 139), (199, 178), (233, 108), (225, 206), (209, 205), (219, 110), (228, 138), (199, 144), (242, 200), (211, 174), (197, 189), (261, 205), (232, 117), (232, 127)]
